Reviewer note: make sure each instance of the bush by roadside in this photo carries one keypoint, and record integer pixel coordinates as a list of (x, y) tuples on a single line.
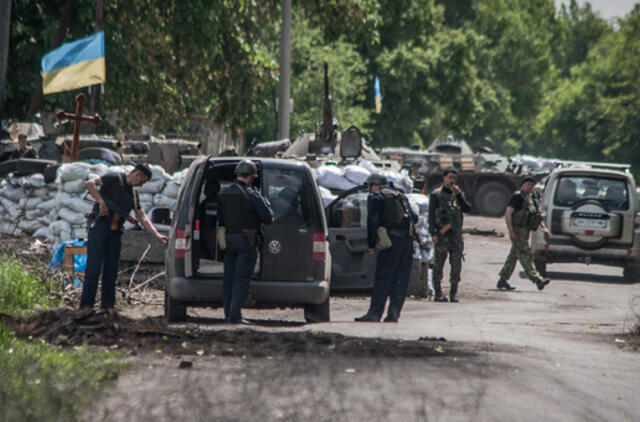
[(41, 382)]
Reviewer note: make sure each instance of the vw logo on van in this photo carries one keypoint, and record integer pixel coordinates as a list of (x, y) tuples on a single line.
[(275, 247)]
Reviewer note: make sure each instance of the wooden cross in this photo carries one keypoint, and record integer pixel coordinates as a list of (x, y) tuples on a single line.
[(78, 119)]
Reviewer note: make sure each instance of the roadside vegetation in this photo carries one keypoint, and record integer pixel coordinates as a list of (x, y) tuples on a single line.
[(41, 382)]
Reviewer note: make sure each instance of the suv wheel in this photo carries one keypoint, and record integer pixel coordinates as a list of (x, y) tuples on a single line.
[(174, 311), (317, 313), (631, 274), (541, 267)]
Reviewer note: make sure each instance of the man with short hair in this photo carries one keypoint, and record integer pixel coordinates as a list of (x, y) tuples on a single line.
[(114, 201), (522, 216), (23, 151), (389, 209), (242, 211), (446, 207)]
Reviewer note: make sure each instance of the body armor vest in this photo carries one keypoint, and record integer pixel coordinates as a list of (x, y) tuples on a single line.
[(529, 216), (396, 214), (236, 213), (447, 206)]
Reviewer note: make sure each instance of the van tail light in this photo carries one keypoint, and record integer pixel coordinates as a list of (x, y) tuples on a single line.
[(319, 247), (180, 244), (636, 221)]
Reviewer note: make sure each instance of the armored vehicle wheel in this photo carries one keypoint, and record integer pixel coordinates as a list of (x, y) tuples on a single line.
[(174, 311), (631, 274), (317, 313), (491, 198), (541, 266)]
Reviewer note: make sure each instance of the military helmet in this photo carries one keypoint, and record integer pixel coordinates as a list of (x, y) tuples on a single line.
[(376, 179), (246, 167), (529, 179)]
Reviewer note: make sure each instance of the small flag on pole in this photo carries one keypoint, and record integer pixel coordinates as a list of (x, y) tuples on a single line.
[(74, 65), (376, 89)]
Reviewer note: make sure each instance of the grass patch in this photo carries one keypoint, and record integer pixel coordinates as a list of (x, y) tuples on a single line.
[(41, 382), (24, 286)]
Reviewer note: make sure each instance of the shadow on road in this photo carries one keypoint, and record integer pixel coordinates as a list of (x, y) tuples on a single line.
[(587, 277)]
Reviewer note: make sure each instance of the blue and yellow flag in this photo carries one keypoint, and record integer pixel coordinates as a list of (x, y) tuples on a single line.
[(376, 90), (74, 65)]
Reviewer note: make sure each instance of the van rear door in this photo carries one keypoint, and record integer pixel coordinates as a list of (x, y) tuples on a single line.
[(352, 268), (287, 249)]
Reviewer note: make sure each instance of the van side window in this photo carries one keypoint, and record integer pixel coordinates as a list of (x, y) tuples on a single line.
[(350, 211), (286, 192)]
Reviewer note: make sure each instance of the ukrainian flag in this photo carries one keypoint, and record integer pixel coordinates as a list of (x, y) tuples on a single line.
[(74, 65), (378, 96)]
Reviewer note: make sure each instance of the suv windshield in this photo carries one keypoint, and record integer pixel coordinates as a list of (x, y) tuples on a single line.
[(573, 189)]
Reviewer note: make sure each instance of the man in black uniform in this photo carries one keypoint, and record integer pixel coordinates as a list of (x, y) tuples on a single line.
[(389, 209), (242, 212), (115, 200)]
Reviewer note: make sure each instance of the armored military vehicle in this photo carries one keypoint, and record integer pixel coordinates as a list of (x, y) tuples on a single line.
[(485, 177)]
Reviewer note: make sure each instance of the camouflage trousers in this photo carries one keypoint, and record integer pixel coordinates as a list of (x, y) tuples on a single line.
[(447, 245), (520, 251)]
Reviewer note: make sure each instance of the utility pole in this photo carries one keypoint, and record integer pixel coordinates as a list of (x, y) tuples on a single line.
[(5, 32), (94, 103), (284, 102)]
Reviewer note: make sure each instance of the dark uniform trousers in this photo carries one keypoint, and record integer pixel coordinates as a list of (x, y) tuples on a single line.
[(393, 270), (103, 255), (447, 245), (239, 262)]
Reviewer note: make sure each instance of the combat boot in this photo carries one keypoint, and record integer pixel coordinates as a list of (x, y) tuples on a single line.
[(453, 292), (503, 285), (540, 284), (440, 298)]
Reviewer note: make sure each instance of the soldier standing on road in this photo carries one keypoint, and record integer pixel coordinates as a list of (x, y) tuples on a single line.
[(522, 216), (115, 200), (242, 212), (389, 209), (446, 205)]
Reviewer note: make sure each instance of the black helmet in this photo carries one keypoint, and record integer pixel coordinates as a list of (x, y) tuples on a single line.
[(376, 179), (529, 179), (246, 167)]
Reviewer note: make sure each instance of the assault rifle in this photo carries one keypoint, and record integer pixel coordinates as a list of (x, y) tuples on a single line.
[(115, 212)]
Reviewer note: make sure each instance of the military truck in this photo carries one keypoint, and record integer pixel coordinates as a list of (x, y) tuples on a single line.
[(486, 178)]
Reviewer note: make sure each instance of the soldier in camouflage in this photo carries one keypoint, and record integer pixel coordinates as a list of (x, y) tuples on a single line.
[(446, 205), (522, 216)]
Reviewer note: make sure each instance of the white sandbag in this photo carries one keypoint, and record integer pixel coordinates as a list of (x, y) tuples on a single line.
[(74, 186), (356, 174), (53, 214), (7, 228), (161, 201), (146, 205), (42, 193), (178, 177), (33, 214), (28, 226), (44, 220), (145, 197), (59, 226), (332, 177), (42, 232), (400, 181), (367, 165), (72, 217), (35, 181), (152, 186), (13, 193), (73, 171), (326, 195), (11, 208), (32, 203), (159, 173), (171, 189), (47, 205), (79, 205), (65, 236)]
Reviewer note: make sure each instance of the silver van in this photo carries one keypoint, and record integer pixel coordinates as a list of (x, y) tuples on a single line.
[(294, 263), (593, 216)]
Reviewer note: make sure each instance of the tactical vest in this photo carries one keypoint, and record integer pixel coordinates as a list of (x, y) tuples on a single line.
[(529, 216), (447, 205), (237, 215), (395, 214)]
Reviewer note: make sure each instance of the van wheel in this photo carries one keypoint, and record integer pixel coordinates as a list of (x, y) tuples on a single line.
[(631, 274), (317, 313), (541, 266), (174, 311)]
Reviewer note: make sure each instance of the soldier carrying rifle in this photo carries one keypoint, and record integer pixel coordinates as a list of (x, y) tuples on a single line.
[(446, 205)]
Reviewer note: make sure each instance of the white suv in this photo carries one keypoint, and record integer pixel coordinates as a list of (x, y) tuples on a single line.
[(592, 214)]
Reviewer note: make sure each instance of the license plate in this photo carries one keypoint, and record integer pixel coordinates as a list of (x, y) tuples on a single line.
[(590, 223)]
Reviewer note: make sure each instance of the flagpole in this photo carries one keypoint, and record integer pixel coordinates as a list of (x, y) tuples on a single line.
[(94, 103), (36, 99)]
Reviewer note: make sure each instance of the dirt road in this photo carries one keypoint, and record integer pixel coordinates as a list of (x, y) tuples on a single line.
[(525, 355)]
